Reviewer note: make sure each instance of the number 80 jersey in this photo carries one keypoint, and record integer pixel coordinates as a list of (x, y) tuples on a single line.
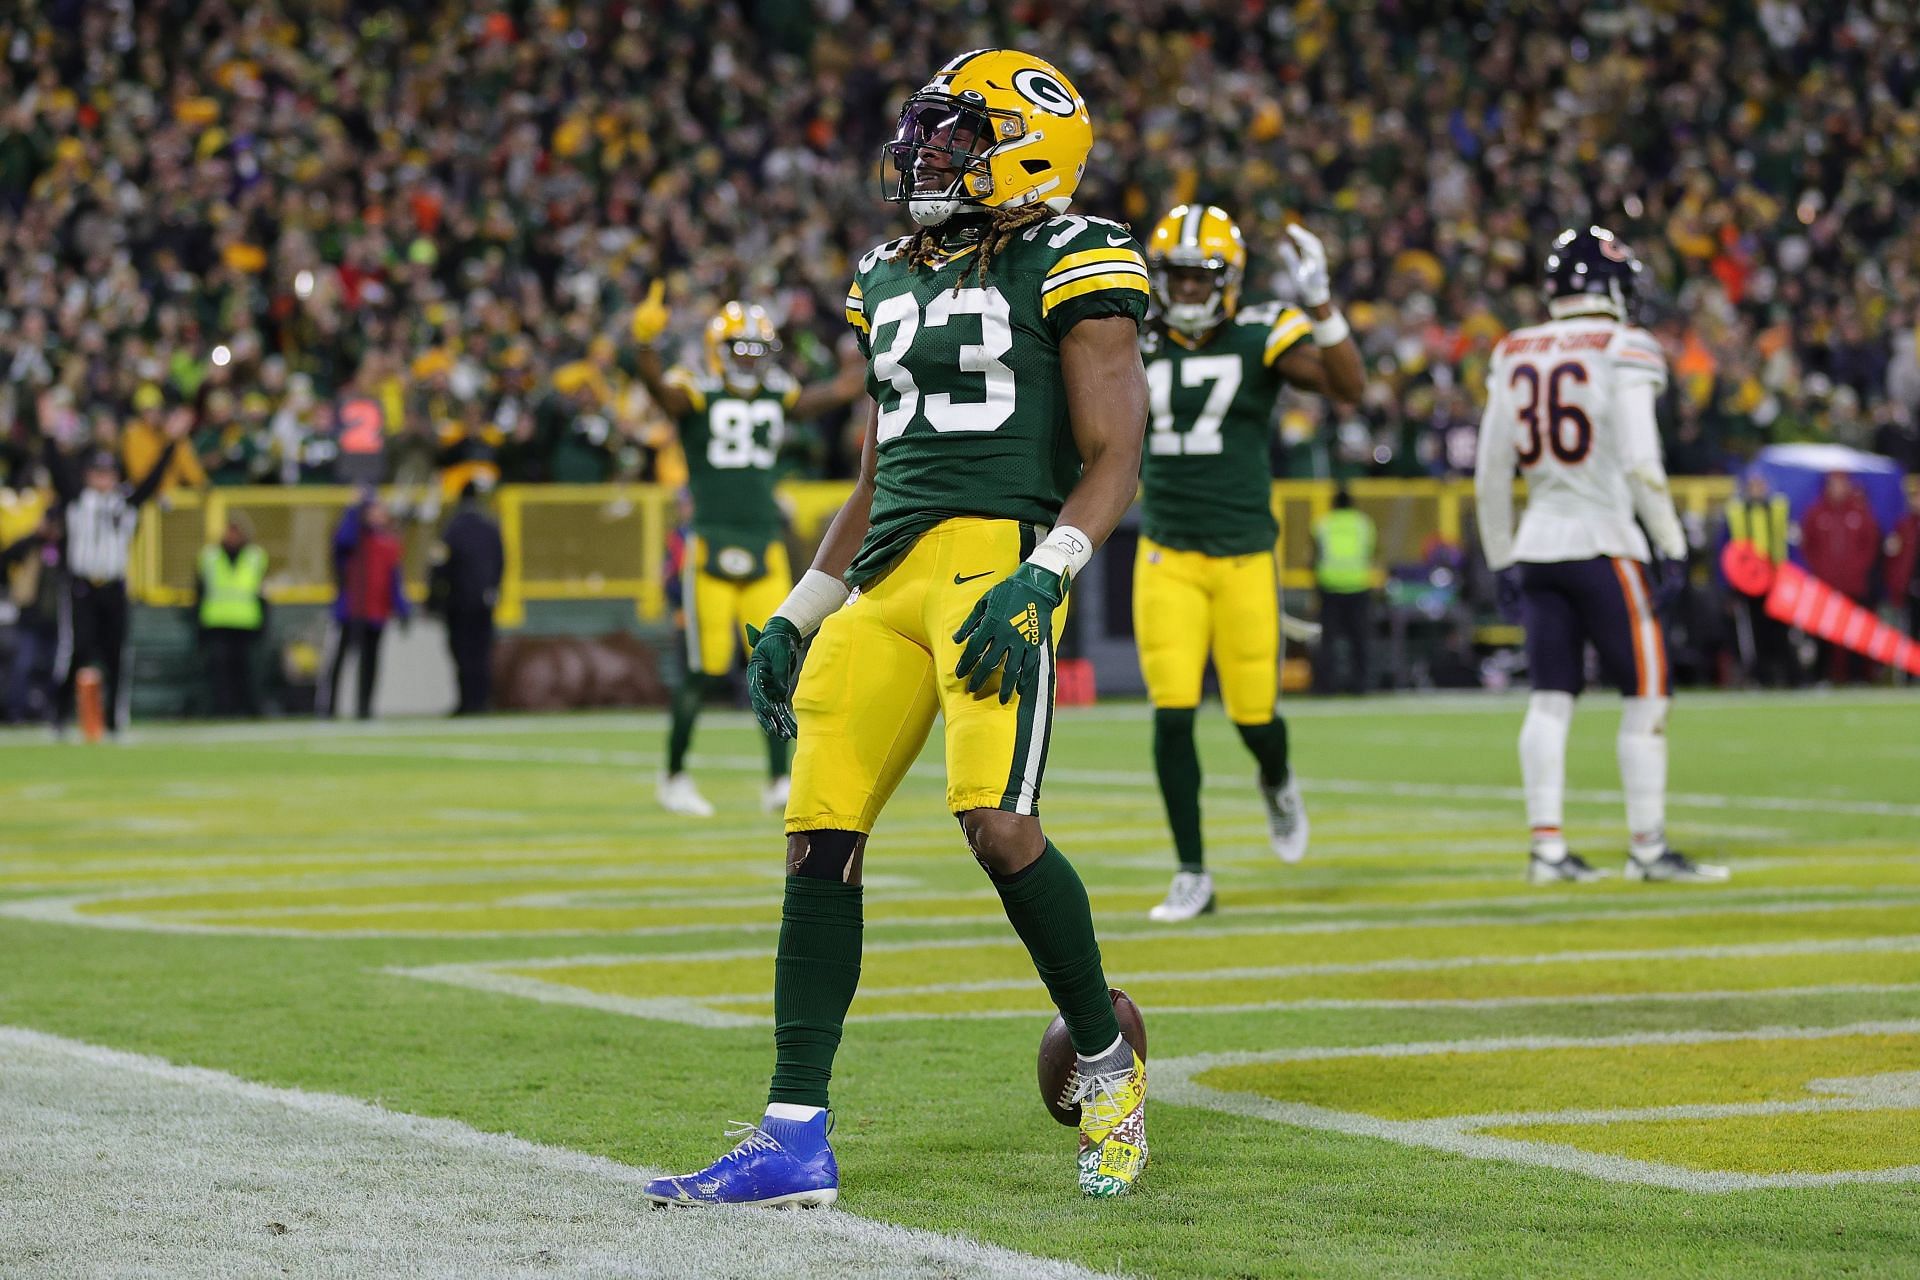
[(972, 405)]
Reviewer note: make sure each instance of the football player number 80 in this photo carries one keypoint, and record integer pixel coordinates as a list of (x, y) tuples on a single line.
[(941, 411)]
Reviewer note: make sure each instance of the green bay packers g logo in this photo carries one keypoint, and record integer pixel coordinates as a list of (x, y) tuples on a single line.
[(1043, 91), (735, 562)]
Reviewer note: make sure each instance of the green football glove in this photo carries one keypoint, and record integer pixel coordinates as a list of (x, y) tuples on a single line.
[(773, 669), (1010, 623)]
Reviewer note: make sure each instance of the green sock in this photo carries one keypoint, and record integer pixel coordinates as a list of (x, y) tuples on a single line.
[(815, 974), (687, 697), (1048, 907), (1177, 762), (777, 756), (1268, 742)]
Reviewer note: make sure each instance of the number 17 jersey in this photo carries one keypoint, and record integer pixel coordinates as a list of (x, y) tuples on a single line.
[(966, 375), (1207, 475)]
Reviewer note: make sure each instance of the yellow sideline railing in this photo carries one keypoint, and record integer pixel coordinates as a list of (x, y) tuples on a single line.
[(608, 542)]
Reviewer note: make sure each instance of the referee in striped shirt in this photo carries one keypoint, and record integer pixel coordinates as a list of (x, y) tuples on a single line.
[(101, 516)]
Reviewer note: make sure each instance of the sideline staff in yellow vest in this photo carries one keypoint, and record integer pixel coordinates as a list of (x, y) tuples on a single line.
[(232, 613), (1343, 545), (1762, 517)]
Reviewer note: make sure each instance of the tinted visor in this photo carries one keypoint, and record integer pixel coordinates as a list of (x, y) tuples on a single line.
[(939, 139), (752, 348)]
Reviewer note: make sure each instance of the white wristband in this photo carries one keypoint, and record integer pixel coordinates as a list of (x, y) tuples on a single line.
[(815, 596), (1065, 551), (1332, 331)]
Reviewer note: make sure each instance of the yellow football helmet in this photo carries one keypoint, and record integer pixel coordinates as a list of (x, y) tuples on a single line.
[(741, 341), (1196, 238), (995, 128)]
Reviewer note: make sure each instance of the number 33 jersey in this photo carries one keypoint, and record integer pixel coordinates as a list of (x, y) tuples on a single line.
[(966, 375), (1206, 477), (732, 442), (1554, 407)]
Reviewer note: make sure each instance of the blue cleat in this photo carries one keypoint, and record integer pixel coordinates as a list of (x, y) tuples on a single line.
[(778, 1163)]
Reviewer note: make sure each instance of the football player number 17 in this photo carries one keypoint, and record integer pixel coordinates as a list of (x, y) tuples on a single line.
[(940, 410), (1220, 374)]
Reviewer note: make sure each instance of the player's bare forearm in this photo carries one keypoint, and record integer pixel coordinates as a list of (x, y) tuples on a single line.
[(1335, 371), (843, 388), (671, 399), (848, 528), (1107, 406)]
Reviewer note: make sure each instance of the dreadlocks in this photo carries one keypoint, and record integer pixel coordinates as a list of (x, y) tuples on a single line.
[(1002, 225)]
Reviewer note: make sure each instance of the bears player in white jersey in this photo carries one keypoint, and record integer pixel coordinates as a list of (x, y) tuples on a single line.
[(1570, 404)]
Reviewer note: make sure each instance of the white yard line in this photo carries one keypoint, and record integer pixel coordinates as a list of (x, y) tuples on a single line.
[(1398, 705), (509, 977), (121, 1164), (1175, 1080)]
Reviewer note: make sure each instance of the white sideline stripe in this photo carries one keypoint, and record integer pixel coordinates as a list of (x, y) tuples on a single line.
[(1174, 1081), (122, 1164), (1397, 705), (65, 909), (700, 1011), (1126, 779)]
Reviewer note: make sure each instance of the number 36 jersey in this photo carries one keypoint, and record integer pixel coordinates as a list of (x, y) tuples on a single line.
[(732, 442), (1555, 397), (966, 376), (1206, 478)]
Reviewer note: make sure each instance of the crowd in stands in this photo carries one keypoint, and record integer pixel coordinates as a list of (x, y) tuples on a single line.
[(415, 233)]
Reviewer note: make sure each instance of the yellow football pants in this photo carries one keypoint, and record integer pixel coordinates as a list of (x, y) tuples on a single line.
[(1187, 606), (718, 610), (882, 666)]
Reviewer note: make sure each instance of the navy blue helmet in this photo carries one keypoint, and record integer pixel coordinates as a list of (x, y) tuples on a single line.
[(1588, 269)]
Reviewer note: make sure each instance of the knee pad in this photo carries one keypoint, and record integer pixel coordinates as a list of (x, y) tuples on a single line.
[(1643, 717), (1551, 704), (826, 855), (992, 838)]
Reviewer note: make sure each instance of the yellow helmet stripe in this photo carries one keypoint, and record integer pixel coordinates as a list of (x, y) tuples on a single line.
[(1087, 257), (1287, 332), (1091, 284)]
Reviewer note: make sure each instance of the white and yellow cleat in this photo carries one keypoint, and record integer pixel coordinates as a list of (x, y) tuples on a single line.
[(677, 794), (773, 799), (1113, 1122)]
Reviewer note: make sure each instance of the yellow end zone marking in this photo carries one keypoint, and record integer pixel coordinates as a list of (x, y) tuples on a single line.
[(1693, 1146)]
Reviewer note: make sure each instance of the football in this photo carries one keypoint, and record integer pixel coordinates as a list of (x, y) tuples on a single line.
[(1057, 1056)]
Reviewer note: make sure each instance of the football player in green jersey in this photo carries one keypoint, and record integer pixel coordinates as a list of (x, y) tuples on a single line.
[(1204, 580), (730, 419), (1005, 446)]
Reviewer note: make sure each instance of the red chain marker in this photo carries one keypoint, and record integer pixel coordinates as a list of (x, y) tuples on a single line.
[(1749, 570), (1800, 600)]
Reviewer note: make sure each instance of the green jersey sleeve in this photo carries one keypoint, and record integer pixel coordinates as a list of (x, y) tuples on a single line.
[(1097, 270), (856, 293), (1287, 327)]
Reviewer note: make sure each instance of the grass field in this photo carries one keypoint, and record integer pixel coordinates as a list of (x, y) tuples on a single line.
[(1393, 1059)]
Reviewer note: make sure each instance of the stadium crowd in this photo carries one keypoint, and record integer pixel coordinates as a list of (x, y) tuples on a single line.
[(443, 213)]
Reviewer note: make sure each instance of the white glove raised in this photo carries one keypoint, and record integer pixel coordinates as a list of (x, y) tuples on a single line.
[(1306, 261)]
